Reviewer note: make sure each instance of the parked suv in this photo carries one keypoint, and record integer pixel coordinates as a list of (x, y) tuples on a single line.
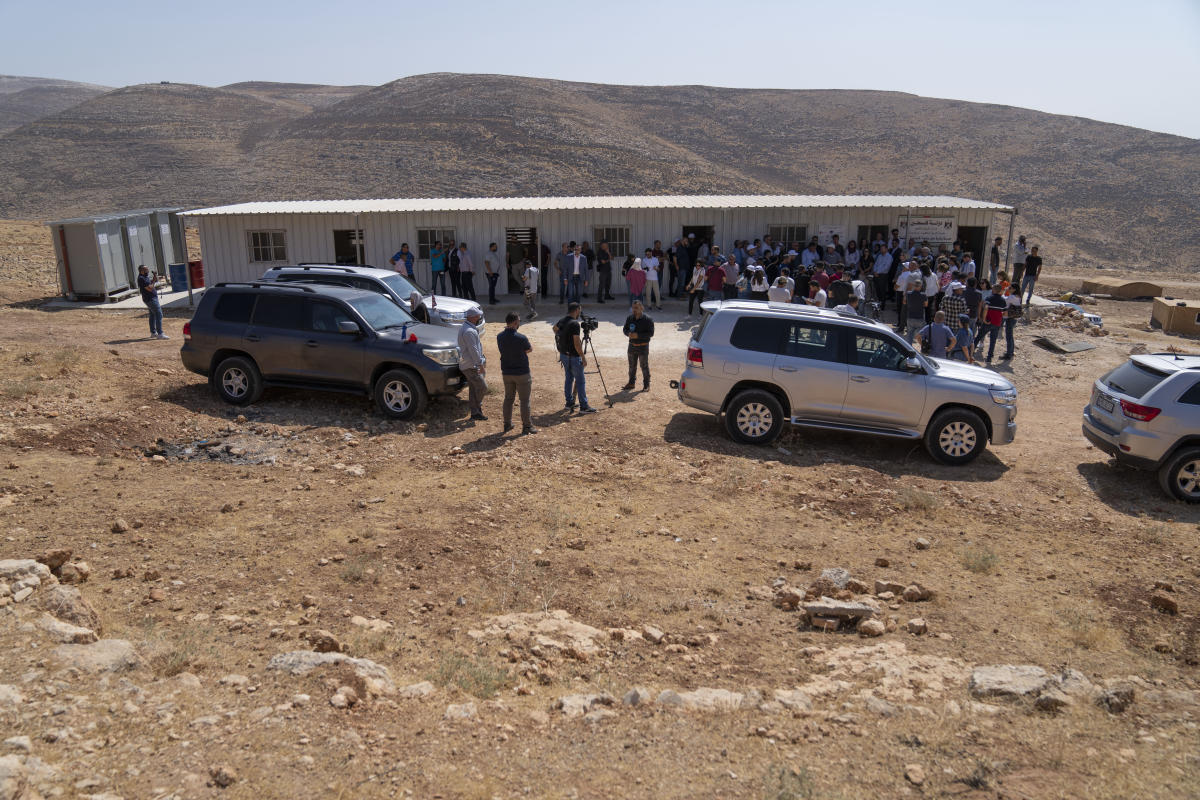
[(761, 364), (1146, 413), (449, 311), (248, 336)]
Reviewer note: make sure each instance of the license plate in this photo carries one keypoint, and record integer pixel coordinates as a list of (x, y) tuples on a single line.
[(1105, 402)]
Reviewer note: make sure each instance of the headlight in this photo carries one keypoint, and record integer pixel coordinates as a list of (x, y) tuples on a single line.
[(1004, 397), (453, 316), (442, 355)]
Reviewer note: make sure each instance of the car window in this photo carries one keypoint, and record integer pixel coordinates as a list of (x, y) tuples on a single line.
[(814, 342), (875, 351), (368, 284), (1192, 396), (758, 334), (234, 307), (403, 287), (1133, 379), (274, 311), (380, 312), (324, 317)]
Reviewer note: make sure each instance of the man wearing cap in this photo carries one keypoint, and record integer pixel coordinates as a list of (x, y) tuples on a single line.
[(964, 341), (472, 362), (954, 303)]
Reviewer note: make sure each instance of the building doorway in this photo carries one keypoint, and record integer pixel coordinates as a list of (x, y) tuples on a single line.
[(348, 247), (974, 241), (520, 243), (869, 232)]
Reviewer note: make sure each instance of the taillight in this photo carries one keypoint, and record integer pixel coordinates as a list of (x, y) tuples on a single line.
[(1140, 413), (187, 330), (695, 358)]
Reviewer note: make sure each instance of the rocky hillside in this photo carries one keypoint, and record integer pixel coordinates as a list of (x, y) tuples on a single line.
[(1094, 193), (23, 100)]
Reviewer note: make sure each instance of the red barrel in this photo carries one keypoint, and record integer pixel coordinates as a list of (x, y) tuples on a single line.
[(196, 274)]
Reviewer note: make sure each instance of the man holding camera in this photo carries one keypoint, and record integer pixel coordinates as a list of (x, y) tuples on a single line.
[(148, 286), (567, 334), (639, 329)]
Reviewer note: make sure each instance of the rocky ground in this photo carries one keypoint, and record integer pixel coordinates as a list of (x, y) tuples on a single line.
[(303, 599)]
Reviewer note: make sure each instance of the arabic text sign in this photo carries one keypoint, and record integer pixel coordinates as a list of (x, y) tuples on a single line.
[(935, 230)]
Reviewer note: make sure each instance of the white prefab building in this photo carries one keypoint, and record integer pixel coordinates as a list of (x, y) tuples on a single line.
[(240, 242)]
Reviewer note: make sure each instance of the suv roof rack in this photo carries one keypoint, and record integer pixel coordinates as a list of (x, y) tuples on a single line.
[(269, 285)]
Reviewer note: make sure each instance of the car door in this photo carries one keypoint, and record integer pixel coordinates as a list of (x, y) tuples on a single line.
[(754, 344), (810, 369), (275, 336), (881, 392), (329, 356)]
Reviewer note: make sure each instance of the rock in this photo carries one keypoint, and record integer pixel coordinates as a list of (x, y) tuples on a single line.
[(1052, 701), (22, 744), (637, 696), (235, 680), (375, 625), (1074, 683), (599, 715), (207, 721), (857, 586), (842, 609), (75, 572), (156, 595), (837, 576), (882, 562), (322, 641), (1166, 586), (653, 634), (576, 544), (55, 558), (1115, 700), (922, 543), (415, 690), (879, 706), (576, 705), (344, 697), (788, 598), (377, 678), (461, 711), (914, 774), (10, 696), (120, 526), (67, 604), (21, 595), (222, 775), (65, 632), (793, 699), (760, 593), (916, 593), (711, 700), (1164, 602), (15, 570), (828, 624), (889, 586), (669, 697), (106, 655), (871, 627), (1008, 681), (917, 626), (308, 601), (14, 780)]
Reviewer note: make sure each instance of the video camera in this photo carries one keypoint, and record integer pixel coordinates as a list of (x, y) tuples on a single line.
[(588, 324)]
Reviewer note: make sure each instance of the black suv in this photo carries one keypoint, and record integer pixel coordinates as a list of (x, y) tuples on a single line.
[(248, 336)]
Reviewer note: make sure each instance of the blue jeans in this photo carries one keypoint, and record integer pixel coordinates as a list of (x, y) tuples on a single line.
[(492, 278), (990, 332), (1009, 322), (155, 309), (440, 275), (562, 290), (576, 291), (573, 382), (1027, 284)]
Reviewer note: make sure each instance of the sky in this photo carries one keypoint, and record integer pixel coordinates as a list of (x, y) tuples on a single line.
[(1132, 63)]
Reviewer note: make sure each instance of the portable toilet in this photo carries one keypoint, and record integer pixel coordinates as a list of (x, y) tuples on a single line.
[(139, 243), (91, 257), (169, 245)]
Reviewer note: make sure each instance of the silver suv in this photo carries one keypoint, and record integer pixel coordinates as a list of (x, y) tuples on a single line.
[(761, 364), (1146, 413), (449, 311)]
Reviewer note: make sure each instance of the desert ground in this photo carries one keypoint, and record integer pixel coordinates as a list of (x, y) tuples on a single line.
[(301, 598)]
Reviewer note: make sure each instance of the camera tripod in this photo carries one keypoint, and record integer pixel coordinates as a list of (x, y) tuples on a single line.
[(587, 345)]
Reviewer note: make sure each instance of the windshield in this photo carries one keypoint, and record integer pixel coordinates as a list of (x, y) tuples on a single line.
[(1133, 379), (381, 312), (403, 287)]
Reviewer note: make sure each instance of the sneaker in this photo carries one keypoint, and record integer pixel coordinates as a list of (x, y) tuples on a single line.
[(162, 336), (627, 387), (588, 410), (569, 407), (645, 387), (529, 430), (508, 426), (479, 417)]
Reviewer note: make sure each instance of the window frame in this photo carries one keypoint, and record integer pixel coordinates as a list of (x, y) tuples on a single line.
[(438, 235), (851, 349), (776, 233), (831, 349), (601, 233), (276, 249)]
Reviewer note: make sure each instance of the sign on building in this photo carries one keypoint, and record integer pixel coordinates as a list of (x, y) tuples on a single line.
[(935, 230), (825, 234)]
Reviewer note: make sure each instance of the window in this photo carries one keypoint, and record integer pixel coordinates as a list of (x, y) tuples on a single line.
[(786, 235), (325, 317), (617, 238), (813, 342), (427, 236), (278, 311), (266, 246), (759, 334), (1133, 379), (1192, 396), (234, 308), (348, 247), (877, 352)]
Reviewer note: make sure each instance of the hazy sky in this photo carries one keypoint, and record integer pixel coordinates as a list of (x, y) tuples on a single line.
[(1135, 63)]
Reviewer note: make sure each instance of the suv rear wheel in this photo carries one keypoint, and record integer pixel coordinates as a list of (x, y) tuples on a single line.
[(1180, 475), (238, 381), (754, 417), (400, 394), (956, 436)]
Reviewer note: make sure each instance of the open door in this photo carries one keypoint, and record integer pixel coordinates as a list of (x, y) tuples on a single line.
[(527, 239)]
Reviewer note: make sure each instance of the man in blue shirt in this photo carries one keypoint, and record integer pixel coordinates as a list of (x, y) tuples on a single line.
[(514, 369), (405, 255), (437, 267), (148, 286), (938, 334)]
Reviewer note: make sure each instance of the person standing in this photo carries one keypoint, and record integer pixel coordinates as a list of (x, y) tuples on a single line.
[(452, 262), (695, 288), (729, 267), (639, 329), (1033, 268), (686, 264), (880, 270), (515, 256), (1012, 312), (1020, 254), (530, 277), (466, 273), (604, 274), (914, 306), (636, 278), (590, 255), (403, 257), (995, 306), (472, 362), (514, 369), (148, 287), (650, 265), (437, 267), (572, 359), (563, 262), (578, 275), (994, 259), (938, 334), (491, 263)]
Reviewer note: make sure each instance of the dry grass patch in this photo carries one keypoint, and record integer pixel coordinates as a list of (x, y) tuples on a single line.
[(473, 675), (980, 560)]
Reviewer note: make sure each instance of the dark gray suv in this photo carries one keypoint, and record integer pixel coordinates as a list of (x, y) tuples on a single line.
[(247, 336)]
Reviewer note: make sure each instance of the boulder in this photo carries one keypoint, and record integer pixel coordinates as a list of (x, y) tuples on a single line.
[(837, 576), (74, 572), (842, 609), (1052, 701), (376, 678), (1116, 699), (67, 604), (415, 690), (793, 699), (1009, 681), (106, 655), (871, 627), (576, 705), (13, 570), (65, 632), (14, 780), (889, 586), (461, 711), (711, 700), (322, 641), (917, 626), (637, 696), (55, 558), (916, 593)]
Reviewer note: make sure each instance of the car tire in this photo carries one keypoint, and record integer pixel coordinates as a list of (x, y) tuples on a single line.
[(956, 436), (237, 381), (754, 417), (400, 394), (1179, 475)]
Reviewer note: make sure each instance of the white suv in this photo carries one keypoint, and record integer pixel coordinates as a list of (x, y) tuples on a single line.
[(761, 364)]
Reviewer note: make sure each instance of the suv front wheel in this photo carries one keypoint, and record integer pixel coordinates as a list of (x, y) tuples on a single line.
[(754, 417), (400, 394), (1180, 475), (238, 381), (956, 436)]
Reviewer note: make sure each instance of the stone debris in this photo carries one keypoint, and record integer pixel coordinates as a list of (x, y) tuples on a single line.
[(374, 625), (55, 558), (793, 699), (841, 609), (1009, 681), (914, 774), (65, 632), (576, 705), (67, 604), (461, 711), (882, 587), (74, 572), (1052, 701), (922, 543), (322, 641), (703, 699), (871, 627), (637, 696), (234, 680), (106, 655), (22, 744), (788, 598), (119, 525), (916, 593), (1164, 602), (1116, 699), (550, 630), (10, 696), (837, 576), (415, 690), (653, 634), (917, 626), (222, 775), (377, 679), (344, 697)]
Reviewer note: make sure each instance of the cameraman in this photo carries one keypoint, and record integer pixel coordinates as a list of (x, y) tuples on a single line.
[(148, 286), (570, 355), (639, 329)]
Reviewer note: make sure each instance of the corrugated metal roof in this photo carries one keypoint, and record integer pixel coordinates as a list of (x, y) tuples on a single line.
[(616, 201)]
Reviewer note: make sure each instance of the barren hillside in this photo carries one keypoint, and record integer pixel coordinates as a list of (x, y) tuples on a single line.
[(23, 100)]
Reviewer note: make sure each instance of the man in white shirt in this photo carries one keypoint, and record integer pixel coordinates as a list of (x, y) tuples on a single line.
[(530, 277), (879, 275), (810, 255), (578, 275), (779, 292), (653, 290), (909, 272), (851, 306), (819, 298)]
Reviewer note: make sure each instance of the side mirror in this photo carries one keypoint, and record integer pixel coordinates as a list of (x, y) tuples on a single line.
[(912, 364), (347, 326)]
